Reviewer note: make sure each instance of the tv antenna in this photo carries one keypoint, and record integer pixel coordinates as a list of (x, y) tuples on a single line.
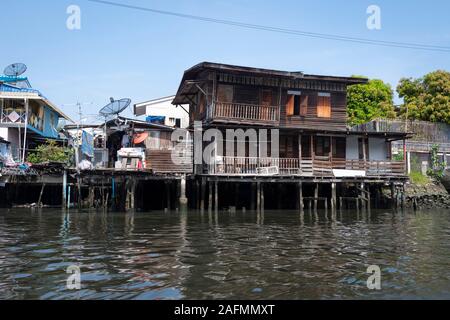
[(114, 108), (15, 69)]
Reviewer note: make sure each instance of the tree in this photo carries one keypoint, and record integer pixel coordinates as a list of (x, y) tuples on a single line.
[(50, 152), (369, 101), (426, 98)]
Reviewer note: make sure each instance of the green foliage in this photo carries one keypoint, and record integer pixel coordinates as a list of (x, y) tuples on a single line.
[(426, 98), (437, 166), (50, 151), (418, 178), (398, 157), (366, 102)]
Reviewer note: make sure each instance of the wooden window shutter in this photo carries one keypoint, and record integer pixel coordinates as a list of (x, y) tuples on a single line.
[(290, 105), (303, 105), (266, 98), (225, 93), (324, 106)]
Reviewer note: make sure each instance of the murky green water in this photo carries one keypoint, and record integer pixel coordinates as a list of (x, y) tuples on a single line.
[(194, 256)]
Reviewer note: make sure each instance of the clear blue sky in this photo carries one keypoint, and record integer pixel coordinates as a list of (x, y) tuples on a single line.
[(126, 53)]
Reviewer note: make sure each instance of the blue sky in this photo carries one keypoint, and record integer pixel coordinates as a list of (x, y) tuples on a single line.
[(126, 53)]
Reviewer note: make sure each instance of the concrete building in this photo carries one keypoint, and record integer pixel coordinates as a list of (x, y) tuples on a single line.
[(162, 111)]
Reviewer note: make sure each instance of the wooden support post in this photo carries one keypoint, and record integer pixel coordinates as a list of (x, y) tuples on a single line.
[(316, 195), (216, 196), (252, 196), (79, 192), (262, 198), (300, 196), (183, 200), (167, 185), (197, 194), (236, 194), (64, 190), (210, 185), (39, 204), (258, 196), (202, 195), (393, 197), (91, 197), (333, 196)]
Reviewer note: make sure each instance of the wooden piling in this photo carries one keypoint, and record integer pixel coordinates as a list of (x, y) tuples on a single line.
[(202, 194), (262, 198), (316, 195), (333, 196), (64, 190), (216, 196), (39, 204), (300, 197), (258, 196), (210, 194)]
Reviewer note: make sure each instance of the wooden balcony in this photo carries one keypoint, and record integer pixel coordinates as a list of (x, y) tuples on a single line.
[(245, 113), (305, 167)]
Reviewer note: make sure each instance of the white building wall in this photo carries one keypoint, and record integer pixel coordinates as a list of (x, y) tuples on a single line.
[(164, 107)]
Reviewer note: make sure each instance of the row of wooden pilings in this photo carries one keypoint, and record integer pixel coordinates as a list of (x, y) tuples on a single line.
[(362, 201), (204, 194)]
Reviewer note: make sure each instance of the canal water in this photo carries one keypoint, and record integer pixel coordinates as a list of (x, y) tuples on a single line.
[(277, 255)]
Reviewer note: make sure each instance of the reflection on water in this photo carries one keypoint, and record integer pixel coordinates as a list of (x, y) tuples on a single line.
[(280, 255)]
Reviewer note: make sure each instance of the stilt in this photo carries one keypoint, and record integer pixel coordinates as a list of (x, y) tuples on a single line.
[(333, 196), (252, 196), (393, 197), (216, 196), (258, 196), (79, 192), (300, 197), (316, 195), (64, 190), (363, 196), (39, 204), (210, 196), (167, 185), (202, 195), (262, 198), (91, 197), (236, 195), (197, 194), (183, 200)]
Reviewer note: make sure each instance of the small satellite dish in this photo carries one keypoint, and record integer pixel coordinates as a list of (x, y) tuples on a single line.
[(15, 69), (115, 107)]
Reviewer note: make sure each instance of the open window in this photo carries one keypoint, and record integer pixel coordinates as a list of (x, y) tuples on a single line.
[(324, 105), (297, 104)]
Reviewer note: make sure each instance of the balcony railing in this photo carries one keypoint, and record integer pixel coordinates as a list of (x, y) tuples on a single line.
[(245, 112), (304, 167), (12, 116)]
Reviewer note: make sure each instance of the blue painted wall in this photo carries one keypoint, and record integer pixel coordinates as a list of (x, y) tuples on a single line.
[(50, 123)]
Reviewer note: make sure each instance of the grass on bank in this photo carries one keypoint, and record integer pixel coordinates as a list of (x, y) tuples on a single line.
[(418, 178)]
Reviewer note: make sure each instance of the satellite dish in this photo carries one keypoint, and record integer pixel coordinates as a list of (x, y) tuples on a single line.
[(15, 69), (115, 107)]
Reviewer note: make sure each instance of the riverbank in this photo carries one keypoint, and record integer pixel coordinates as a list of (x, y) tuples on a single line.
[(427, 196)]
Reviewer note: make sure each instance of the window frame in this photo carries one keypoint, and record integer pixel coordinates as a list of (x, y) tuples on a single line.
[(322, 110)]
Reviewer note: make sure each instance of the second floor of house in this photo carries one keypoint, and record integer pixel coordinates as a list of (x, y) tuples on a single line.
[(233, 95)]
